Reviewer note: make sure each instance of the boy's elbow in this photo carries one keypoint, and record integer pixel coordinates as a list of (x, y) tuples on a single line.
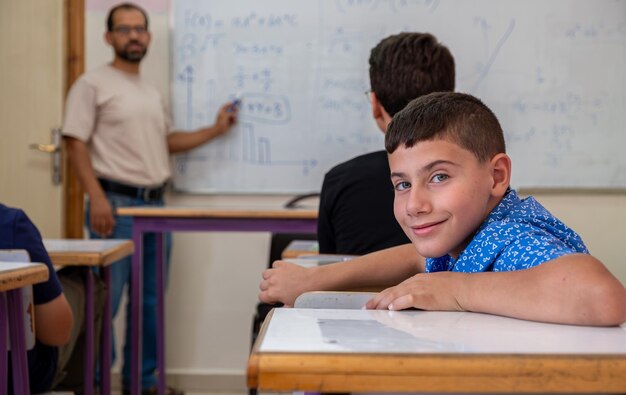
[(65, 331), (60, 334), (610, 306), (54, 322), (601, 297)]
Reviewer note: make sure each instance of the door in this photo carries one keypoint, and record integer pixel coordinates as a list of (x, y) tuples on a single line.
[(31, 102)]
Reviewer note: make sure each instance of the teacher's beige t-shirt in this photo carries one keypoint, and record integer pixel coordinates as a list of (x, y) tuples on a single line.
[(124, 123)]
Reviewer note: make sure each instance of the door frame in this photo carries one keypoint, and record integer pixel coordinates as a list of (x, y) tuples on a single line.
[(74, 67)]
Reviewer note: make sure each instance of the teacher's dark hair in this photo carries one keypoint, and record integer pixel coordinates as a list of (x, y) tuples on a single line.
[(125, 6)]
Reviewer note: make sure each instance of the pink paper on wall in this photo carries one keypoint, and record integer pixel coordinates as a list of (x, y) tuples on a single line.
[(152, 6)]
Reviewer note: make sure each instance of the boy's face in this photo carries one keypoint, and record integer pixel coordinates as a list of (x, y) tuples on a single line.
[(442, 195)]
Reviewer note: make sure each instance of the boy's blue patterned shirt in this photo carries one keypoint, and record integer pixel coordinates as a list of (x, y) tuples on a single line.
[(517, 234)]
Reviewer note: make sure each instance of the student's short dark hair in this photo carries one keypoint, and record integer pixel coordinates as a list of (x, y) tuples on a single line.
[(408, 65), (456, 117), (125, 6)]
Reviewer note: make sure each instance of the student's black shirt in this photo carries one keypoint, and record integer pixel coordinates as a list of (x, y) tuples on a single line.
[(356, 208)]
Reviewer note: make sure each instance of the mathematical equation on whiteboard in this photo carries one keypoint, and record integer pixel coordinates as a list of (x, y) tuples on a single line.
[(301, 70)]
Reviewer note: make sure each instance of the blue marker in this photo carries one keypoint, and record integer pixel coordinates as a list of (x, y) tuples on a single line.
[(235, 104)]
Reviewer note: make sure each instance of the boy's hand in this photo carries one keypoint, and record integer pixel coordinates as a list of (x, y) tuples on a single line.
[(283, 283), (443, 291)]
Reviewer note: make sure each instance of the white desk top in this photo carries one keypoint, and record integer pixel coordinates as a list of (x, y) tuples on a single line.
[(15, 275), (7, 267), (82, 245), (381, 331)]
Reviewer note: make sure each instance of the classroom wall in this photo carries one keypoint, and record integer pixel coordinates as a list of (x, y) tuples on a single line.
[(599, 217), (214, 277)]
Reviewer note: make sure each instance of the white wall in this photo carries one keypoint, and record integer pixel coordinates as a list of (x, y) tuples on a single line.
[(599, 217)]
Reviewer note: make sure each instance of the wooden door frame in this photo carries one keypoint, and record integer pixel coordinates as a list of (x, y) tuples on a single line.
[(74, 67)]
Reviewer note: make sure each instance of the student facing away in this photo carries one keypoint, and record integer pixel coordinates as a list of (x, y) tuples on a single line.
[(402, 67), (476, 246)]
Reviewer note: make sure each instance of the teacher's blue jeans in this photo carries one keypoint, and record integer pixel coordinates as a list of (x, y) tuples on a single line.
[(120, 278)]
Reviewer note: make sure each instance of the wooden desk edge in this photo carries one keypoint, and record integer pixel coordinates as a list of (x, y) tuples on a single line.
[(329, 372), (163, 212), (22, 277), (291, 254), (423, 373), (252, 374), (105, 258)]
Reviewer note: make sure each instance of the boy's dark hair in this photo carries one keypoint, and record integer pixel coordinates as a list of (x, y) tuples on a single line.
[(456, 117), (124, 6), (408, 65)]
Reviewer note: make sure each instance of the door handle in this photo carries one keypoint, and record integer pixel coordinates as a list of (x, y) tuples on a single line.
[(53, 148), (48, 148)]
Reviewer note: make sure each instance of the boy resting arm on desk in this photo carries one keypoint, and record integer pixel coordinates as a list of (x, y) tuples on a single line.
[(478, 246)]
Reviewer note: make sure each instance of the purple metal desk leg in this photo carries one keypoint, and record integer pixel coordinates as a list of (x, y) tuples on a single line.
[(136, 289), (160, 329), (19, 361), (4, 326), (89, 333), (105, 343)]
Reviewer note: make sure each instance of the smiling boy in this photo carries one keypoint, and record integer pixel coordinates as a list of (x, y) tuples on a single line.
[(476, 246)]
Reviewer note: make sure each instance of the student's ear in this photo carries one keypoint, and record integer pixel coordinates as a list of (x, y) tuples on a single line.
[(501, 173), (379, 114)]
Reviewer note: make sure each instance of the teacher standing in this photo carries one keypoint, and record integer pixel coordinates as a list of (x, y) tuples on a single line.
[(119, 137)]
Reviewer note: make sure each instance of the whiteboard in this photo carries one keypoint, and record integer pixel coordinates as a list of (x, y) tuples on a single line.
[(552, 71)]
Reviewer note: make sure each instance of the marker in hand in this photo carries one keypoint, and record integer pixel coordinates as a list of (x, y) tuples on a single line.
[(235, 103)]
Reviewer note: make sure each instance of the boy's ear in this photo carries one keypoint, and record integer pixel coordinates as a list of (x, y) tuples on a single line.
[(501, 171), (379, 113)]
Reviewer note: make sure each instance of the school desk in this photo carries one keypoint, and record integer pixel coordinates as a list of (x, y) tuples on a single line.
[(13, 277), (167, 219), (418, 351), (95, 253), (300, 247)]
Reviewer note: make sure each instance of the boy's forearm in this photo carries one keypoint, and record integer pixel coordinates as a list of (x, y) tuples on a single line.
[(573, 289), (375, 270)]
